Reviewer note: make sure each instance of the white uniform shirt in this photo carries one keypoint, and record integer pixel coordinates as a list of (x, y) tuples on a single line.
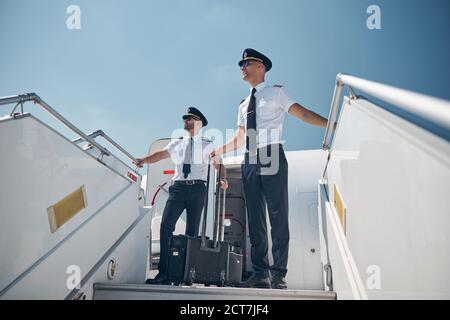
[(202, 148), (271, 104)]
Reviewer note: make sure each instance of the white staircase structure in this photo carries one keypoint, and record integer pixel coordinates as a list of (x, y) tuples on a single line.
[(384, 212), (369, 218), (70, 215)]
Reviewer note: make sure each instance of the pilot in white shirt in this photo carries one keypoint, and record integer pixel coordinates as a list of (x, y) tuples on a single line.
[(200, 149), (272, 103), (265, 168), (191, 157)]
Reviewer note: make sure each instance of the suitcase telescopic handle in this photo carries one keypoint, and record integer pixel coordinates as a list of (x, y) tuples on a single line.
[(220, 211), (222, 218), (205, 209), (216, 235), (222, 214), (219, 216)]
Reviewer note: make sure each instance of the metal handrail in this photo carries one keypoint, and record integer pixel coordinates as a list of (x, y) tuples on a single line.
[(100, 133), (93, 135), (22, 98), (406, 100)]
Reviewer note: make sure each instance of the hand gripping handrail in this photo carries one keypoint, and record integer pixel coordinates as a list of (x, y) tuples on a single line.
[(22, 98), (411, 102)]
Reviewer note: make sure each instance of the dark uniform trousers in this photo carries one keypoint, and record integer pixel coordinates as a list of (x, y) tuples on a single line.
[(181, 196), (271, 188)]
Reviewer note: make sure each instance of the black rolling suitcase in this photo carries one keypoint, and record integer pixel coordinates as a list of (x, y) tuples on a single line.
[(201, 260)]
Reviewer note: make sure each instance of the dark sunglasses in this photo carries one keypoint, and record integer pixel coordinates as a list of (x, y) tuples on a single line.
[(247, 63), (190, 118)]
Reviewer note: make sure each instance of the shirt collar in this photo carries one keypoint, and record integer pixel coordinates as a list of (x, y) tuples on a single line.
[(196, 138), (259, 87)]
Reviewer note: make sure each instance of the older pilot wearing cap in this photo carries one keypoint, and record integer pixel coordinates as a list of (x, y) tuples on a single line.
[(191, 157), (260, 124)]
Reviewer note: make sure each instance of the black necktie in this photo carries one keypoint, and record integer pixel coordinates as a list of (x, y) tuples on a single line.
[(250, 141), (187, 158)]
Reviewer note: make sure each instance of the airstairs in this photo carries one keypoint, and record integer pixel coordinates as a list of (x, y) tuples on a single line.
[(368, 213), (72, 213), (383, 208)]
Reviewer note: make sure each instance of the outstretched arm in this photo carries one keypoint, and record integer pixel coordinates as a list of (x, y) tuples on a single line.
[(235, 143), (307, 115), (154, 157)]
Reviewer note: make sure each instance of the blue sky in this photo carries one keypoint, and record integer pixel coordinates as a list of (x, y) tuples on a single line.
[(135, 66)]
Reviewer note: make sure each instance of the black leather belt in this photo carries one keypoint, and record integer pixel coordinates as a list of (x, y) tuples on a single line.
[(266, 151), (189, 182)]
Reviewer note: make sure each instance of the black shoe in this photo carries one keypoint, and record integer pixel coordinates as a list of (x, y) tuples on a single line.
[(159, 279), (278, 282), (255, 281)]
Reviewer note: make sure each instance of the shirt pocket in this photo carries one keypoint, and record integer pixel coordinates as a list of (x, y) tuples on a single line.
[(266, 108)]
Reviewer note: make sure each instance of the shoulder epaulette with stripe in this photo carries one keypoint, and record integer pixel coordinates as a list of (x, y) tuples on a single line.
[(278, 86)]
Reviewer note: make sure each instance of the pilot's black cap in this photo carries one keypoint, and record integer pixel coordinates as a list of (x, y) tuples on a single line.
[(251, 54), (196, 113)]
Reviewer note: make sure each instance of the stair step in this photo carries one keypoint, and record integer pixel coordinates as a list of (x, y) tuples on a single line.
[(199, 292)]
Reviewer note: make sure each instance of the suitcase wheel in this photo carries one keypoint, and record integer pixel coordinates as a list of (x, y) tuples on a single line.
[(222, 279), (191, 276)]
